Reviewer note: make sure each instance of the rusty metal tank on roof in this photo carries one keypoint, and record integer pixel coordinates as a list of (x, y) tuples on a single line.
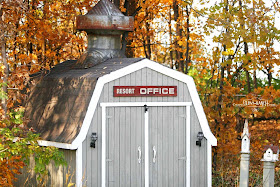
[(104, 16)]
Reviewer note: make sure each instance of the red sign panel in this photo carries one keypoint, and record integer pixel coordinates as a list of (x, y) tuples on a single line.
[(145, 91)]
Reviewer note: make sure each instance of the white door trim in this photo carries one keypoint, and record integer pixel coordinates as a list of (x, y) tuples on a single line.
[(103, 147), (135, 104), (147, 161), (122, 104)]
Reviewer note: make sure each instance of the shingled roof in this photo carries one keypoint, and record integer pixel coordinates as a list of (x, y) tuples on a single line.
[(57, 105), (274, 148)]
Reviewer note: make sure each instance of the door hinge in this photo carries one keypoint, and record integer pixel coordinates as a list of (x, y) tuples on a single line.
[(182, 116), (182, 158), (146, 108)]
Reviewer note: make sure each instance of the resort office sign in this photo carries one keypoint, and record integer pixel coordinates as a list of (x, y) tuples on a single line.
[(255, 103), (145, 91)]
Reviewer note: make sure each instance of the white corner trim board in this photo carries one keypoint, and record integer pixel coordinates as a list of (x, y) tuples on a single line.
[(79, 166), (188, 145), (209, 164), (145, 63)]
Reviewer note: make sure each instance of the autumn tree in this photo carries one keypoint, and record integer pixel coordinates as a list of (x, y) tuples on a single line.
[(242, 68), (164, 31), (241, 65), (35, 35)]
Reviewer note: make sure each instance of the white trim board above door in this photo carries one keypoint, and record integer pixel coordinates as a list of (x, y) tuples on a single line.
[(145, 106)]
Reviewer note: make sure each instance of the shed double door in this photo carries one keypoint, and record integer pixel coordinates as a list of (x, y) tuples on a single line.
[(146, 146)]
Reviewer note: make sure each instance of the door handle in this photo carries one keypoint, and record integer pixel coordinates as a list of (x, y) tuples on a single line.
[(155, 154), (139, 155)]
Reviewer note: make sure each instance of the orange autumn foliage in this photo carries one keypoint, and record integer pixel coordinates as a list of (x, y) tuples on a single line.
[(8, 169), (238, 64), (35, 35)]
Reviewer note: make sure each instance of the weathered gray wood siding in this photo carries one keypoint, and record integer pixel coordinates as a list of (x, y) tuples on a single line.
[(57, 176), (144, 77), (198, 154)]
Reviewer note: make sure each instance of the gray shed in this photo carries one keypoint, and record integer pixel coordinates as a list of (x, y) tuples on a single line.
[(121, 121)]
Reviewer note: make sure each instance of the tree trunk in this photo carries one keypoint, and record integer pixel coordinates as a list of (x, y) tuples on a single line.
[(221, 85), (116, 2), (255, 80), (179, 64), (6, 74), (130, 6), (5, 63), (171, 41), (220, 99), (188, 40), (246, 70), (147, 42), (248, 81), (269, 75)]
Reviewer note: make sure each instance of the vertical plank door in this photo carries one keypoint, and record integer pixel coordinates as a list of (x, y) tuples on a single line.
[(125, 149), (167, 147)]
